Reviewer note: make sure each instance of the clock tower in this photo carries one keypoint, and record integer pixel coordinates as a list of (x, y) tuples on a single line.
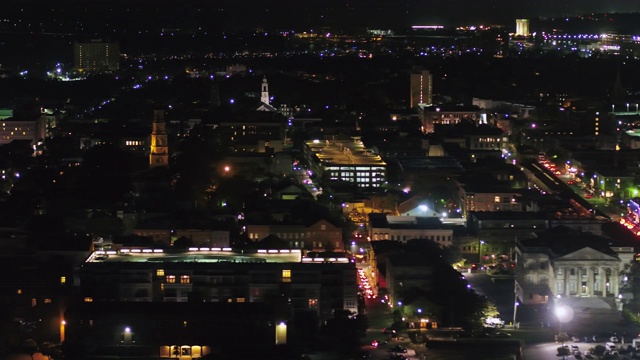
[(159, 146)]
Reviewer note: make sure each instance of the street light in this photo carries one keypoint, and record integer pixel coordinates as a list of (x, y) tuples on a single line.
[(515, 302), (515, 311), (480, 251)]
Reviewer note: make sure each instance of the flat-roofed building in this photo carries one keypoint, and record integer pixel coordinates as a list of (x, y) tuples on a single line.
[(96, 56), (443, 114), (347, 160), (421, 83), (317, 286), (23, 128), (488, 197), (404, 228)]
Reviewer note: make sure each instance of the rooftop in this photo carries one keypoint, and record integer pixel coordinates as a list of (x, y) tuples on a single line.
[(211, 255), (344, 152), (200, 255)]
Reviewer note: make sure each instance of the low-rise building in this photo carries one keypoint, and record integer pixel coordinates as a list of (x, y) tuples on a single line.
[(443, 114), (320, 234), (404, 228)]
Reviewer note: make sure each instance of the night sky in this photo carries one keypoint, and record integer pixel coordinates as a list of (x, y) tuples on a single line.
[(375, 12)]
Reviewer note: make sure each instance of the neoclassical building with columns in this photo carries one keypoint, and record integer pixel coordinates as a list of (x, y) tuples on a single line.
[(570, 263)]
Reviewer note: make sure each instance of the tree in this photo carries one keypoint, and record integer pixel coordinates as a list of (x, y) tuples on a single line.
[(490, 310), (598, 350), (562, 337)]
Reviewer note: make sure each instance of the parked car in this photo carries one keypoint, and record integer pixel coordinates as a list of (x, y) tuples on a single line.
[(502, 335), (614, 339), (576, 338)]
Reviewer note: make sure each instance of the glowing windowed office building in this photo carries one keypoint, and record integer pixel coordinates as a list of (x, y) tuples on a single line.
[(346, 160)]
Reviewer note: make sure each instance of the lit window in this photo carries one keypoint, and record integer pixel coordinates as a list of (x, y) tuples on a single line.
[(63, 280), (313, 303), (88, 299), (162, 287), (286, 275), (160, 272), (19, 291), (171, 279), (496, 199), (184, 279), (47, 301), (184, 323), (240, 300), (34, 302), (229, 300)]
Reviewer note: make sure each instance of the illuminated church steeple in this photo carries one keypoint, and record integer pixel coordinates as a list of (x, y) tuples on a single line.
[(264, 97), (159, 145)]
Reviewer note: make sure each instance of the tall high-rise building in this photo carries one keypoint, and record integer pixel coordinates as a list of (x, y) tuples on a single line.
[(159, 155), (96, 56), (421, 88), (522, 27)]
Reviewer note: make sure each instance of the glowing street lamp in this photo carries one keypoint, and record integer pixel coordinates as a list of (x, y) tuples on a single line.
[(481, 242)]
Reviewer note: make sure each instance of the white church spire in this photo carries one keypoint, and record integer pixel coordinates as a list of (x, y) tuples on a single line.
[(265, 91)]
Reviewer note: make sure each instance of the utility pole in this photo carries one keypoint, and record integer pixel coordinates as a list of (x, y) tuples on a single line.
[(515, 302)]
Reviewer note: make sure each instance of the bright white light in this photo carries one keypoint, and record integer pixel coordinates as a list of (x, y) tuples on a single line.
[(564, 313), (127, 329)]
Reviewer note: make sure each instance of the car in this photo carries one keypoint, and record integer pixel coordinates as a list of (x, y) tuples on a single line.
[(575, 348), (501, 334), (399, 349), (588, 196), (614, 339), (476, 267), (377, 343)]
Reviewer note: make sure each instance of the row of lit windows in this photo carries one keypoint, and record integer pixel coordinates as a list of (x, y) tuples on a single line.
[(34, 301), (386, 236), (12, 133), (184, 279), (134, 142), (15, 128)]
